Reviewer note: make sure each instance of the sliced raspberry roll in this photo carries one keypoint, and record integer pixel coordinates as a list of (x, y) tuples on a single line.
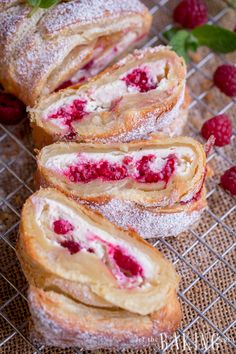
[(85, 274), (154, 186), (65, 44), (141, 94)]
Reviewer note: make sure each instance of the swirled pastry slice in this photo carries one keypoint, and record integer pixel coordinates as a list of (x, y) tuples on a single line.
[(65, 44), (141, 94), (161, 177), (62, 240), (60, 321)]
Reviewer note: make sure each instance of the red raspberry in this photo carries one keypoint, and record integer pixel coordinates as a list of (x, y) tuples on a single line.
[(127, 264), (12, 110), (72, 246), (225, 79), (228, 180), (139, 78), (191, 13), (62, 227), (220, 127)]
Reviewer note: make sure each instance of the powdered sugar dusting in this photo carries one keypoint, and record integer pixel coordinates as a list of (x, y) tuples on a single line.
[(139, 54), (68, 14), (4, 4), (117, 330), (30, 55), (147, 223), (14, 24)]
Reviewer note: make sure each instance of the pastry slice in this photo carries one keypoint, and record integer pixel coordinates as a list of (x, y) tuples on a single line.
[(90, 280), (155, 187), (65, 44), (141, 94)]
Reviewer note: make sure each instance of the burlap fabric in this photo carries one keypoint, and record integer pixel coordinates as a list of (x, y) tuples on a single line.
[(204, 256)]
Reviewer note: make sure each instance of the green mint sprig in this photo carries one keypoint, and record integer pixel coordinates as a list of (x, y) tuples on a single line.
[(216, 38), (43, 4)]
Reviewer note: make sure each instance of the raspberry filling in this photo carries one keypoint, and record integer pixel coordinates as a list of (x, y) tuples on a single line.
[(72, 246), (117, 259), (140, 79), (126, 263), (106, 97), (146, 175), (62, 227), (140, 170), (70, 113)]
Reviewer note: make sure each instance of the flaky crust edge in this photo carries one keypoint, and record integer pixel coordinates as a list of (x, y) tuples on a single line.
[(53, 324)]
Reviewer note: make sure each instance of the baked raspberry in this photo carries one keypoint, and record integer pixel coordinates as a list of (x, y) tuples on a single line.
[(111, 172), (62, 227), (72, 246), (64, 85), (220, 127), (89, 65), (89, 171), (12, 110), (228, 180), (71, 136), (127, 160), (140, 79), (191, 13), (146, 175), (225, 79), (127, 264), (70, 113)]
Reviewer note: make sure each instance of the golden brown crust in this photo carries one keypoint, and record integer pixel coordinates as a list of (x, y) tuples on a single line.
[(59, 321), (65, 311), (60, 41)]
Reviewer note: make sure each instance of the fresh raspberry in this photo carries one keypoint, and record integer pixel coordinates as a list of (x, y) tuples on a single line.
[(12, 110), (228, 180), (191, 13), (225, 79), (220, 127)]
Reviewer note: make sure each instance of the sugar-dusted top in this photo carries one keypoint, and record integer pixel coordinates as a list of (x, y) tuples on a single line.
[(81, 12)]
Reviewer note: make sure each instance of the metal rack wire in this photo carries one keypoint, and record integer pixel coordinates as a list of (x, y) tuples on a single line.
[(204, 256)]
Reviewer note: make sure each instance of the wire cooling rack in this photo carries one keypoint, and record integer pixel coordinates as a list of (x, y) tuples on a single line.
[(204, 256)]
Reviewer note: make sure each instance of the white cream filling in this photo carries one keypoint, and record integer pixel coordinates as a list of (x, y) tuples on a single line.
[(185, 157), (101, 98), (86, 234)]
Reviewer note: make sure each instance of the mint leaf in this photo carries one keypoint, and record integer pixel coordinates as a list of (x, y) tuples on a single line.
[(192, 43), (232, 2), (34, 3), (217, 38), (178, 43), (45, 4), (170, 33), (182, 42)]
